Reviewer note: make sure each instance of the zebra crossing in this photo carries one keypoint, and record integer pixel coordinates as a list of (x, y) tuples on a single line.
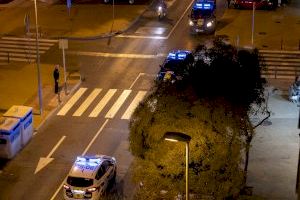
[(98, 102), (280, 64), (22, 49)]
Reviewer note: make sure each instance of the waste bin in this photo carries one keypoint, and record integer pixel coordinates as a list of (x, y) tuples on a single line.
[(10, 137), (24, 113)]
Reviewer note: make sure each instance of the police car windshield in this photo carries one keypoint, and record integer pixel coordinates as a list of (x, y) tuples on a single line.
[(173, 64), (79, 182), (196, 13)]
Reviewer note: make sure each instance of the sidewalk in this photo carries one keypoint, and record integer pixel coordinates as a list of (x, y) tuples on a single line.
[(276, 30), (25, 90), (273, 160), (84, 20)]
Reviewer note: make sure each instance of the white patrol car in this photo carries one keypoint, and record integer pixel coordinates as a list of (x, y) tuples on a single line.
[(89, 177)]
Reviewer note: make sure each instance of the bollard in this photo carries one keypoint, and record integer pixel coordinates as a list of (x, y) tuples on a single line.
[(8, 57), (281, 44), (299, 45)]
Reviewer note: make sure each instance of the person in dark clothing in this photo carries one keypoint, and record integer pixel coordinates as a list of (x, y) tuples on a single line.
[(56, 78), (228, 3)]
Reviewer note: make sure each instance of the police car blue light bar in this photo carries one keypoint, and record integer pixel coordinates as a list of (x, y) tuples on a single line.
[(181, 56), (172, 55), (80, 159), (88, 160), (204, 6)]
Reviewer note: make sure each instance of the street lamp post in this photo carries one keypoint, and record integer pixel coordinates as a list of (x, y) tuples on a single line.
[(38, 59), (181, 137), (253, 21)]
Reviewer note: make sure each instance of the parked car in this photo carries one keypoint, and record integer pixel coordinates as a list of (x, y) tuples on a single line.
[(259, 4)]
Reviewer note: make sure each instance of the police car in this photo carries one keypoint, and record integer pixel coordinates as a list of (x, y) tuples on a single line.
[(89, 177), (173, 67), (129, 1), (202, 17)]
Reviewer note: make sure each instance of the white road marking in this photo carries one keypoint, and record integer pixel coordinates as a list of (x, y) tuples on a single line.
[(172, 30), (18, 59), (137, 99), (140, 74), (18, 55), (29, 39), (87, 102), (44, 161), (24, 42), (22, 46), (158, 37), (19, 50), (72, 101), (22, 49), (94, 138), (84, 152), (142, 37), (114, 109), (112, 55), (102, 103)]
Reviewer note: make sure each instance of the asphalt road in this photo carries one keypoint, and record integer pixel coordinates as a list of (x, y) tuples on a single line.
[(123, 67)]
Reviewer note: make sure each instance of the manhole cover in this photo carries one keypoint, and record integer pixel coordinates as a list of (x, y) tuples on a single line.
[(277, 22), (262, 33), (267, 123), (265, 46)]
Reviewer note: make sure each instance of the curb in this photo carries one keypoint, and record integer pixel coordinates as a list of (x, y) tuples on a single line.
[(58, 107), (101, 36), (111, 34)]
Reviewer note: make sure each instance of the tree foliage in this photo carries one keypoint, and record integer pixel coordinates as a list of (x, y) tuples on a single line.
[(210, 104)]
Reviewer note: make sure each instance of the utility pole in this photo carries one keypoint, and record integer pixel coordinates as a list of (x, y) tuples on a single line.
[(38, 60), (253, 17)]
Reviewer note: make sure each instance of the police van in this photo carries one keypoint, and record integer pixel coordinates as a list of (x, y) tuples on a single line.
[(90, 177)]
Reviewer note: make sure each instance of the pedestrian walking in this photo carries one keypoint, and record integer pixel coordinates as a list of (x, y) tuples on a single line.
[(228, 3), (56, 78)]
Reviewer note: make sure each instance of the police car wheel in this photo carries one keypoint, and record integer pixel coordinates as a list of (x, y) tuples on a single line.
[(106, 1), (131, 1)]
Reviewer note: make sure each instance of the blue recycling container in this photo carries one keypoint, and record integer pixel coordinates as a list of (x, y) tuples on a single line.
[(24, 113), (10, 137)]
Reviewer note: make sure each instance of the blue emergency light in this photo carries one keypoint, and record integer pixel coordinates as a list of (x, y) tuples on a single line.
[(204, 6), (179, 55), (86, 161), (172, 56)]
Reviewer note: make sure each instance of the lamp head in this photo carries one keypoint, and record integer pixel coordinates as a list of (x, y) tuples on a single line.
[(177, 136)]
